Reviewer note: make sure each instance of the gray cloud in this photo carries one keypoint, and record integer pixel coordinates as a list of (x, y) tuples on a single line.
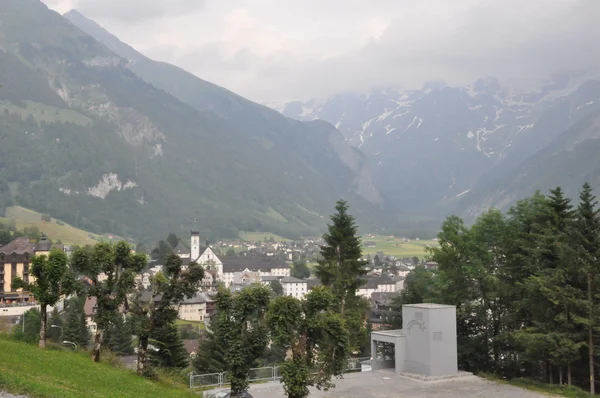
[(276, 50), (135, 11)]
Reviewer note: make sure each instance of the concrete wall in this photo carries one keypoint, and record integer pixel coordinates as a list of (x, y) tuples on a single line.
[(415, 323), (444, 359), (430, 331)]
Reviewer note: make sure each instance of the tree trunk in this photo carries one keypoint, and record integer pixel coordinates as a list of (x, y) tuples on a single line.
[(43, 321), (97, 345), (141, 355), (560, 376), (550, 376), (569, 374), (591, 337)]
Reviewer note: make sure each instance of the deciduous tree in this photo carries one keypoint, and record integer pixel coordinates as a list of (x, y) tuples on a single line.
[(316, 337), (240, 328), (110, 270), (52, 280), (155, 315)]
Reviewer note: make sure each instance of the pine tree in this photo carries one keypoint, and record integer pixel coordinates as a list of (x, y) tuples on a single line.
[(73, 329), (210, 357), (341, 268), (584, 243), (171, 350), (54, 333), (341, 265), (119, 339)]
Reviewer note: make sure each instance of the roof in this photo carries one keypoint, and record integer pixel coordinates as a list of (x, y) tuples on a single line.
[(188, 260), (252, 263), (384, 298), (18, 246), (199, 298), (291, 279), (181, 249), (44, 245), (430, 305), (313, 282), (270, 278)]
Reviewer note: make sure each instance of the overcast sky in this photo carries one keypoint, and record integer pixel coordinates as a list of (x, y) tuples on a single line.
[(281, 50)]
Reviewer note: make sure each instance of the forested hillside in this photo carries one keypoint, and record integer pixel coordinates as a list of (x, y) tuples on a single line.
[(86, 140)]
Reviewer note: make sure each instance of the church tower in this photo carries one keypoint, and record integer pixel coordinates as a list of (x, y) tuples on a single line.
[(195, 246)]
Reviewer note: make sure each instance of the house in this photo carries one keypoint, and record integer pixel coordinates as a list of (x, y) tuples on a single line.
[(257, 264), (195, 308), (15, 259), (294, 287), (376, 285), (380, 314), (202, 255)]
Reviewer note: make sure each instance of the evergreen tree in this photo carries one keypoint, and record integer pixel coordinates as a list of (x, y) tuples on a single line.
[(210, 356), (54, 333), (341, 268), (75, 328), (584, 243), (173, 240), (119, 338), (171, 350), (277, 288), (300, 269)]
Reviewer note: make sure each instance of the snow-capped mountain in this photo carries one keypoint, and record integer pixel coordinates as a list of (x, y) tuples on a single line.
[(429, 148)]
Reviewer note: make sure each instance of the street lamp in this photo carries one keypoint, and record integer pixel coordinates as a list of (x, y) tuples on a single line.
[(61, 330), (70, 342)]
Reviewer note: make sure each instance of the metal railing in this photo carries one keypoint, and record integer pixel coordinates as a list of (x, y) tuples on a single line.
[(266, 373)]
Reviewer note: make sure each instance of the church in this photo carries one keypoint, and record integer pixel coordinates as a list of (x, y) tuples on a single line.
[(228, 269)]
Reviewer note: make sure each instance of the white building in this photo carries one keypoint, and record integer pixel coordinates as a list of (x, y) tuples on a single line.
[(376, 286), (195, 308), (294, 287)]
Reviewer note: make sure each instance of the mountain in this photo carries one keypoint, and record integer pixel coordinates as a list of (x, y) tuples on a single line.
[(88, 140), (569, 161), (434, 148)]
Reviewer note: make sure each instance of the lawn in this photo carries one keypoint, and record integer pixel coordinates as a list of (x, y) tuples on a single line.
[(66, 233), (549, 389), (393, 246), (260, 236), (25, 369), (198, 324)]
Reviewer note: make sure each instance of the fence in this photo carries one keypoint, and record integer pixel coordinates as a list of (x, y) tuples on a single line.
[(267, 373)]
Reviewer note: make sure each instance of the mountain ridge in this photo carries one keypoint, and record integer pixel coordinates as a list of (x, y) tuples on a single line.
[(94, 144), (431, 148)]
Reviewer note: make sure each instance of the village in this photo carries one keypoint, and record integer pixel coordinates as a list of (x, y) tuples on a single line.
[(285, 266)]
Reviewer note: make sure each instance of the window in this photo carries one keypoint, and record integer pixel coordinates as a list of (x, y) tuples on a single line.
[(26, 256), (14, 257), (2, 257)]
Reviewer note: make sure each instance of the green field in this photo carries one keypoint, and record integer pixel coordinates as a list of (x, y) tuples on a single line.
[(66, 233), (198, 324), (260, 236), (393, 246), (26, 369)]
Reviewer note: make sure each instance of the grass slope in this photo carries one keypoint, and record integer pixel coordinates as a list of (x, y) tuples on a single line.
[(393, 246), (25, 369), (550, 389), (260, 236), (66, 233)]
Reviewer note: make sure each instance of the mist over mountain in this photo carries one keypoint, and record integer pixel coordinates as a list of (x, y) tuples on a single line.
[(445, 149), (104, 138)]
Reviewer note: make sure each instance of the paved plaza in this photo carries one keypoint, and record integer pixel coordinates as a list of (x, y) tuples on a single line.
[(386, 384)]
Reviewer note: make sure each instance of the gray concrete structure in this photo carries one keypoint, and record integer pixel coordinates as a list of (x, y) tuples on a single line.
[(426, 345)]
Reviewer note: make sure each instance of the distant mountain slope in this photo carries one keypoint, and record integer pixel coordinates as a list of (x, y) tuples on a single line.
[(572, 159), (430, 148), (246, 115), (86, 140)]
